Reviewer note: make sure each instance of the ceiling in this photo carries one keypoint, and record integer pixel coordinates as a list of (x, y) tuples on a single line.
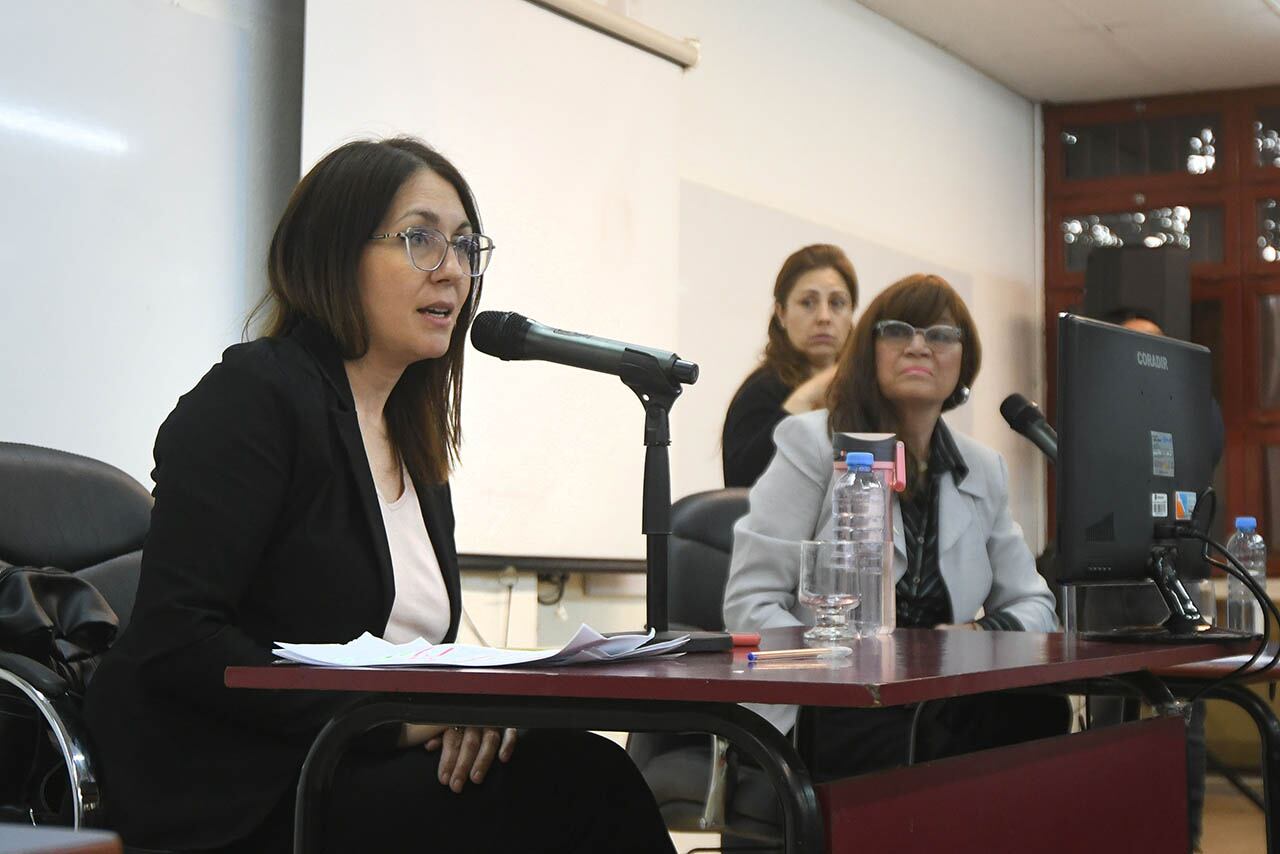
[(1091, 50)]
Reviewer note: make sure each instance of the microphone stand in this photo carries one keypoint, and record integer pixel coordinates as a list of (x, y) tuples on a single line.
[(641, 373)]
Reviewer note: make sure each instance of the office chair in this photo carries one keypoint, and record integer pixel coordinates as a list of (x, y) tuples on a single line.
[(88, 518), (695, 777)]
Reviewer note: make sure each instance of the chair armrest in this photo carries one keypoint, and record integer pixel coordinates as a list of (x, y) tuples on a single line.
[(40, 677), (51, 696)]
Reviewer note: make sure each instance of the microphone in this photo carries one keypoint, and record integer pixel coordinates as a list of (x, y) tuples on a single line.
[(508, 336), (1026, 418)]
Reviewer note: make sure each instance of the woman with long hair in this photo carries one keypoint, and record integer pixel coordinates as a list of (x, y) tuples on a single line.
[(813, 301), (960, 561), (302, 495)]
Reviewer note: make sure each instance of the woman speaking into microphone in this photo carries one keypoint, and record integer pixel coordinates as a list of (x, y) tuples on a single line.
[(302, 494)]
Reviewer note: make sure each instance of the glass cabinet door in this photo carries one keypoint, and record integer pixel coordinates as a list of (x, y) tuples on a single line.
[(1267, 211), (1266, 138), (1268, 351), (1148, 146), (1196, 227)]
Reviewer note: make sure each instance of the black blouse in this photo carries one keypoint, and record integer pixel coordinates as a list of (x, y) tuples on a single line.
[(922, 598), (747, 440)]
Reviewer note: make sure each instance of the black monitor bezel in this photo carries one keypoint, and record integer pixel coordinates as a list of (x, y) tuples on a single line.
[(1094, 393)]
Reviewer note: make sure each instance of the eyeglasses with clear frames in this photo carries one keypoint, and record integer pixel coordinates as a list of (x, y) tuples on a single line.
[(426, 248), (899, 333)]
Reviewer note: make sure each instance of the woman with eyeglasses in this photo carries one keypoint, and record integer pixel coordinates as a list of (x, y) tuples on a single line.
[(302, 495), (960, 561), (813, 301)]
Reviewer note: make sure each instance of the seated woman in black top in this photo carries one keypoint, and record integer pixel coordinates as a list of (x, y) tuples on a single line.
[(813, 301), (280, 484)]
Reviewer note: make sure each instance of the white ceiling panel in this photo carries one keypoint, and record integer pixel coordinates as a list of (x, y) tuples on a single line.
[(1088, 50)]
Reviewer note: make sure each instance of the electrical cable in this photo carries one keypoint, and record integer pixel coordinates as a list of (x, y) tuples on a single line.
[(1269, 611), (506, 624), (911, 733), (1188, 530), (471, 624), (1210, 497), (19, 715)]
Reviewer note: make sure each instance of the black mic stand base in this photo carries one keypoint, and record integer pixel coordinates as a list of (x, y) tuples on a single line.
[(698, 641)]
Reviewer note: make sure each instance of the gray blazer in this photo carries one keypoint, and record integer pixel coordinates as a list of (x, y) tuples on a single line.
[(984, 560)]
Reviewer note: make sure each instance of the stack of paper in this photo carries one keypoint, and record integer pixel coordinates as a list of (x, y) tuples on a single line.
[(586, 646)]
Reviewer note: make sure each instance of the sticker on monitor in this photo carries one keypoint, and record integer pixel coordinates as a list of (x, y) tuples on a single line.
[(1184, 506), (1161, 454), (1159, 505)]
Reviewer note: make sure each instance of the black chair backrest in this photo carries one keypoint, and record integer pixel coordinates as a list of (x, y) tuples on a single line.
[(74, 513), (701, 545)]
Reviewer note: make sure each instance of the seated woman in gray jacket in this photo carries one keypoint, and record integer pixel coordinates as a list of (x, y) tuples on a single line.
[(960, 560)]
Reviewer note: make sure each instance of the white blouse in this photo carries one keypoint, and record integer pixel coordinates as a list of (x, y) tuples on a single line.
[(421, 606)]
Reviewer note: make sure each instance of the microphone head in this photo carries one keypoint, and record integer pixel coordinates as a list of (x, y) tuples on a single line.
[(684, 372), (1019, 412), (500, 333)]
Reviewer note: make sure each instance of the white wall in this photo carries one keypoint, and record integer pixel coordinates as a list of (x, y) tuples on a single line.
[(568, 139), (828, 113), (731, 250), (815, 115), (146, 151), (159, 139)]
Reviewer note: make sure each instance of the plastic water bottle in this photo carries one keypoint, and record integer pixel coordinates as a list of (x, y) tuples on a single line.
[(1244, 613), (858, 510)]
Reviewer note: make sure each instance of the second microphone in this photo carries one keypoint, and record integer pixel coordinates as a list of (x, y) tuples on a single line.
[(1026, 418)]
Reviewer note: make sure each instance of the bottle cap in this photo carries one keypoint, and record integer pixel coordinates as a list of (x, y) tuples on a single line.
[(1246, 523), (859, 459)]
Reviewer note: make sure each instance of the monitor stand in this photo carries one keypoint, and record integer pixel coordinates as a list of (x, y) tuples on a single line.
[(1185, 623)]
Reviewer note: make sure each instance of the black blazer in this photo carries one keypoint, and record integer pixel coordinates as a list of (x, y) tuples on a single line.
[(266, 527)]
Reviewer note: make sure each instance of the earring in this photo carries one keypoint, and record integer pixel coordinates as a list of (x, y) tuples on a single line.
[(959, 396)]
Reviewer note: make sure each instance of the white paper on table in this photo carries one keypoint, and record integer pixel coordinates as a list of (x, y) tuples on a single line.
[(365, 651), (586, 646)]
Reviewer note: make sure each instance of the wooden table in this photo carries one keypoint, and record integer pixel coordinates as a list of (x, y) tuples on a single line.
[(24, 839), (1189, 680), (701, 692)]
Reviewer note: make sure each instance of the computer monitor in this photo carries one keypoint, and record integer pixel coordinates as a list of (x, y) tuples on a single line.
[(1133, 432)]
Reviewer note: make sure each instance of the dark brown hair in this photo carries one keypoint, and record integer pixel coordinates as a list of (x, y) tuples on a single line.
[(312, 272), (780, 355), (855, 400)]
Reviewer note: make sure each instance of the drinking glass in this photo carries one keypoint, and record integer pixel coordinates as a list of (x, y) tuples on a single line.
[(828, 585)]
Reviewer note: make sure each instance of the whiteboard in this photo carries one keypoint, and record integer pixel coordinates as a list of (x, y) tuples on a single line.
[(146, 150)]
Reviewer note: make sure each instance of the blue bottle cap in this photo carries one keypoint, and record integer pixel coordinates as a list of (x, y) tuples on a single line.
[(859, 459), (1246, 523)]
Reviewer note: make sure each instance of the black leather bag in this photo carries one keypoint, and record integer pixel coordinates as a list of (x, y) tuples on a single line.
[(56, 619)]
